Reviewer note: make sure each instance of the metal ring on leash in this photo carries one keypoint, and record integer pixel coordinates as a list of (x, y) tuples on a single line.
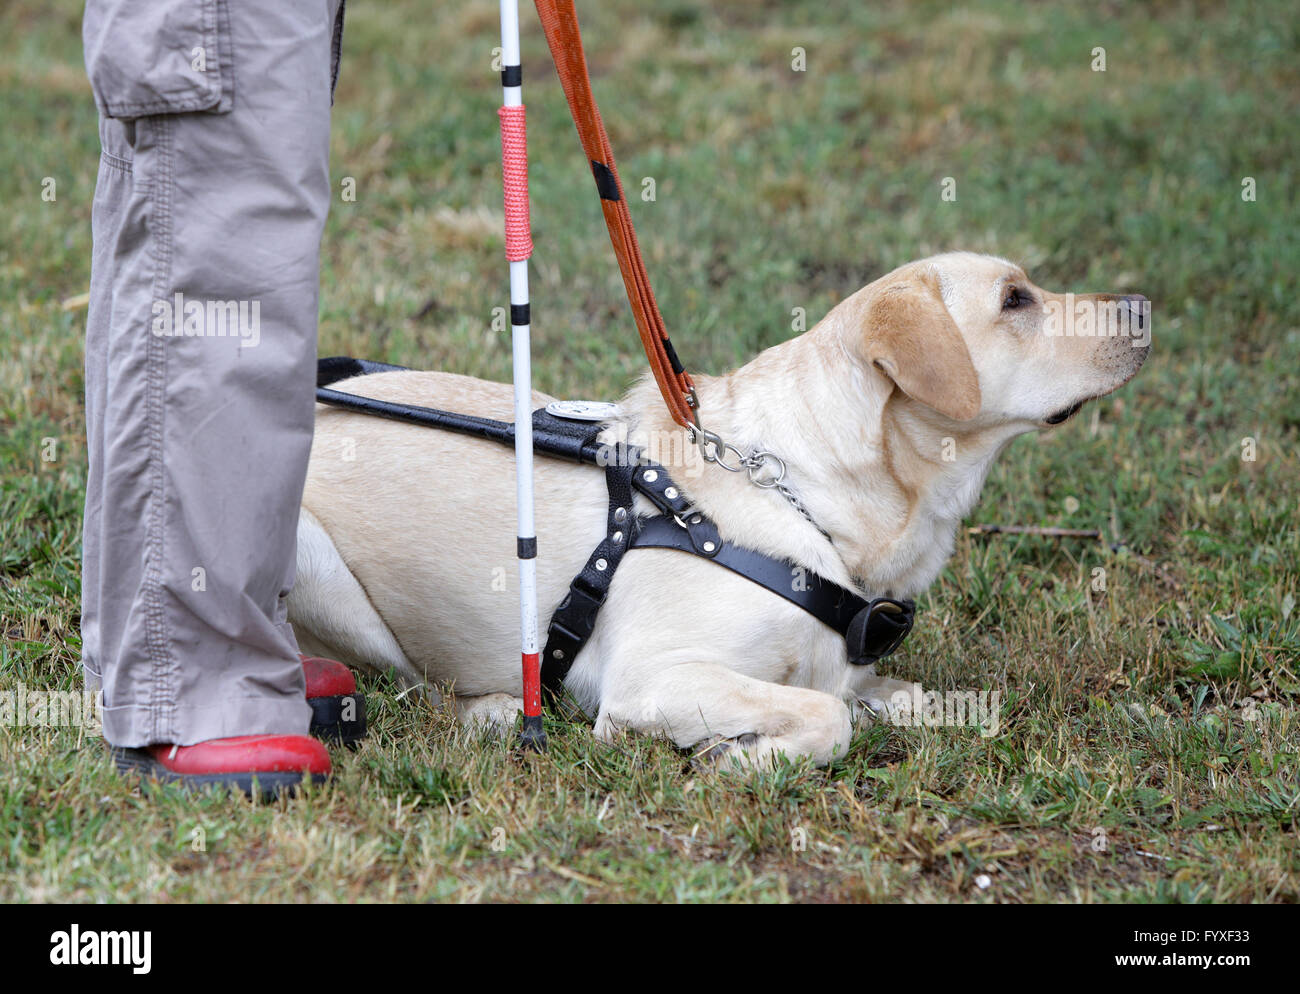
[(753, 464), (756, 461)]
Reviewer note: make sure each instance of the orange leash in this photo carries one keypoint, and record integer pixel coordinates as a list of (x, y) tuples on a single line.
[(560, 22)]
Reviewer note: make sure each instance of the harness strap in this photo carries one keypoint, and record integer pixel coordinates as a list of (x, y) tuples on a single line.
[(560, 22), (552, 436), (626, 470), (872, 628), (575, 617)]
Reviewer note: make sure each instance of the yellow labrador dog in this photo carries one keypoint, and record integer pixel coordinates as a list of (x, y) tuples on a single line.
[(888, 415)]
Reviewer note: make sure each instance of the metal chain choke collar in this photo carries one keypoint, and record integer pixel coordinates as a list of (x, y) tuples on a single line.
[(766, 470)]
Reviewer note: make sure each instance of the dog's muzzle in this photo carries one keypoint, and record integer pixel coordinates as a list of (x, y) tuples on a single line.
[(878, 629)]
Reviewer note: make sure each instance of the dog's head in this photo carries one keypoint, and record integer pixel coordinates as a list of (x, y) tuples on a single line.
[(972, 338)]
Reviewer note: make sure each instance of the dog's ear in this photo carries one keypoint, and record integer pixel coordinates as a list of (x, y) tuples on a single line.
[(909, 336)]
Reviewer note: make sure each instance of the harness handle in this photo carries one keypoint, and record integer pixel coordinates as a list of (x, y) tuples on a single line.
[(560, 22)]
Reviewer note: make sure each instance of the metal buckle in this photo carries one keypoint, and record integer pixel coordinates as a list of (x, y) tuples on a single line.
[(704, 438), (592, 600)]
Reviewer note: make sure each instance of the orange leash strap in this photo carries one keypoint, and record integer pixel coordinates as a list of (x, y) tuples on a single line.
[(560, 22)]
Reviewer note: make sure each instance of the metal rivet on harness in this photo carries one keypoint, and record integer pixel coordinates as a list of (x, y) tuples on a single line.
[(651, 476), (620, 515), (618, 537), (602, 565), (671, 493), (709, 546)]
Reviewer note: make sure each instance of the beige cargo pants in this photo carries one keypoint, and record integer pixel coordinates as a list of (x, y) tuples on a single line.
[(200, 357)]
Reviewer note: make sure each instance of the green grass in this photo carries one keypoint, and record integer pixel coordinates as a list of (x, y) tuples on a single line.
[(1150, 746)]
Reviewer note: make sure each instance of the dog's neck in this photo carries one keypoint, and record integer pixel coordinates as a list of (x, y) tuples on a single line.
[(887, 479)]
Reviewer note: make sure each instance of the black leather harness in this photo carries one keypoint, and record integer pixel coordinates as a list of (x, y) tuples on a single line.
[(872, 629)]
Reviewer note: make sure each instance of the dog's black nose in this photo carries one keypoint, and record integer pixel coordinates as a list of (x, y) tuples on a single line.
[(1138, 306)]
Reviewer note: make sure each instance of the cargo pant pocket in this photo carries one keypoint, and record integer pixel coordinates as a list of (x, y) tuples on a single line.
[(148, 57)]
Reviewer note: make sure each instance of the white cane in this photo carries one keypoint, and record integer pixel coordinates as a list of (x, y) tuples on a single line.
[(519, 246)]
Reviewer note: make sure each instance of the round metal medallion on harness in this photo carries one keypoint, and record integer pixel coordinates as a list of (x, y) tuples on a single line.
[(583, 410)]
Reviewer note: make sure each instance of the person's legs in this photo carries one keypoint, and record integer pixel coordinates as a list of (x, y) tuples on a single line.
[(200, 369), (112, 190)]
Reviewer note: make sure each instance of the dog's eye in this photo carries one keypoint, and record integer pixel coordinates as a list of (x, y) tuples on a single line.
[(1012, 299)]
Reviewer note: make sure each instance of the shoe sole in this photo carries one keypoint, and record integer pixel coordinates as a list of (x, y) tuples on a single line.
[(329, 724), (269, 785)]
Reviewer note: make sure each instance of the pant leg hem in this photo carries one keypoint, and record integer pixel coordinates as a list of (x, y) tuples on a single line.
[(133, 726)]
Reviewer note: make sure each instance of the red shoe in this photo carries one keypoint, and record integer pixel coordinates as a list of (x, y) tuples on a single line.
[(338, 709), (270, 764)]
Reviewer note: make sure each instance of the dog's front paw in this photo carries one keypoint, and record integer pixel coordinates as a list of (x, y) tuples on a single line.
[(885, 699), (718, 753), (490, 713)]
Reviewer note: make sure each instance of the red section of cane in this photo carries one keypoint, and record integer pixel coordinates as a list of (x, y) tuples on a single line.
[(532, 685), (514, 168)]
